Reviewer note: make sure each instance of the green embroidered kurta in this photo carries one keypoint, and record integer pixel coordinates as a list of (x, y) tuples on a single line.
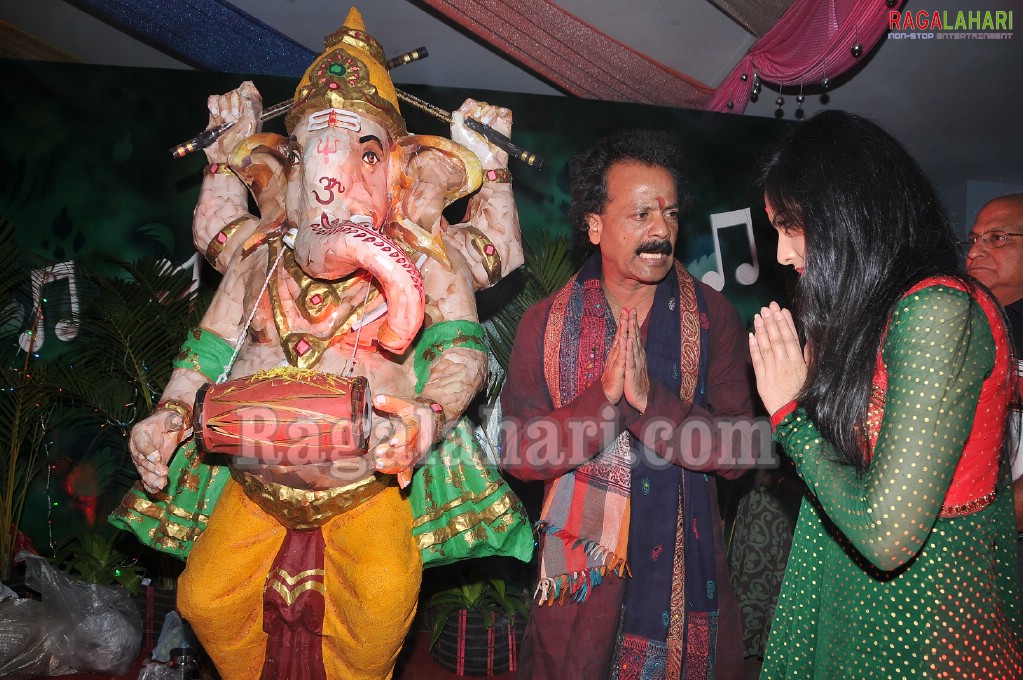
[(883, 581)]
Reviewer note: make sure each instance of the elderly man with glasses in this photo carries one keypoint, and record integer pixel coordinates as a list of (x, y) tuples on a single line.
[(995, 258)]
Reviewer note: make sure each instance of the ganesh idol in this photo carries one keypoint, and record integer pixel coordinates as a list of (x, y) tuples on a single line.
[(309, 452)]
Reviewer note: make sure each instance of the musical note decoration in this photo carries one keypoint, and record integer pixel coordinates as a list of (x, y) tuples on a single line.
[(66, 329), (747, 273)]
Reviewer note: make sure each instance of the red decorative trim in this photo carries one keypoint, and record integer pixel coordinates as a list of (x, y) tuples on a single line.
[(513, 651), (780, 414), (689, 332), (460, 661), (969, 507), (552, 341), (490, 650), (150, 607)]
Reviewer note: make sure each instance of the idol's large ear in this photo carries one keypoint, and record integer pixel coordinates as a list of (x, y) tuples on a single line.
[(263, 162), (444, 162), (435, 173)]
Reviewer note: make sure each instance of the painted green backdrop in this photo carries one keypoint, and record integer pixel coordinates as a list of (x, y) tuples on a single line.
[(85, 167)]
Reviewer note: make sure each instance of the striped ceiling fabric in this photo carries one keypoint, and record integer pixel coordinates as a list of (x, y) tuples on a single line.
[(537, 34), (209, 34), (756, 16), (573, 55), (16, 44)]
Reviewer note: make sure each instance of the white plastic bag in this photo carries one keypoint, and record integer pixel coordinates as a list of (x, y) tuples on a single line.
[(25, 649), (174, 634), (85, 627)]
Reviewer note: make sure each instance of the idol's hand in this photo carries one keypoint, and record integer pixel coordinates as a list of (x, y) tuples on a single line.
[(407, 436), (778, 360), (496, 117), (242, 107), (153, 442)]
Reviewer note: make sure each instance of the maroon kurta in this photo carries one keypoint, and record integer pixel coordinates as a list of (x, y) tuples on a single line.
[(559, 440)]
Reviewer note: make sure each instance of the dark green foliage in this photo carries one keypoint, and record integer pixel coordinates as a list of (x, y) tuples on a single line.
[(95, 558), (550, 263), (94, 389), (487, 594), (131, 327), (25, 404)]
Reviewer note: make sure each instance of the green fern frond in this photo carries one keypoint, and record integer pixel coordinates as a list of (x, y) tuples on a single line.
[(550, 262), (132, 326)]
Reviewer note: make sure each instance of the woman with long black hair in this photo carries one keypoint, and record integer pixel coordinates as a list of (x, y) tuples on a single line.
[(894, 413)]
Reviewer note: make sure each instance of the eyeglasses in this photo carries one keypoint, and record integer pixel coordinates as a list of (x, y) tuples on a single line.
[(995, 238)]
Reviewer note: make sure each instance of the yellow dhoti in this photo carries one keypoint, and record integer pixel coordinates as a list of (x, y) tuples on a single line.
[(372, 574)]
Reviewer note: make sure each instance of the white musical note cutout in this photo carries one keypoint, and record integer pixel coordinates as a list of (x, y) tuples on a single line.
[(65, 329), (747, 273), (193, 264)]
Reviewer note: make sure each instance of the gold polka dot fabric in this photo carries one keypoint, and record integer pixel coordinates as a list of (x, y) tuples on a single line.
[(880, 583)]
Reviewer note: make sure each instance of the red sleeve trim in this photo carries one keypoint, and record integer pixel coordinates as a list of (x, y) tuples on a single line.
[(780, 414)]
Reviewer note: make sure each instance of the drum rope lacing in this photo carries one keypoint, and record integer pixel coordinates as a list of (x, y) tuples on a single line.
[(248, 322)]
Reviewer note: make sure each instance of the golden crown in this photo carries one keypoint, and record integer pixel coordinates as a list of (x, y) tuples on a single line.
[(351, 75)]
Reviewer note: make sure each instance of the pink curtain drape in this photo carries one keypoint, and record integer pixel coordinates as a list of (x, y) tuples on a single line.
[(811, 41)]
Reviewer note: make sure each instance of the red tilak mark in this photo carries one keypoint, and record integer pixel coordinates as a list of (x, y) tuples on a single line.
[(661, 203), (323, 147)]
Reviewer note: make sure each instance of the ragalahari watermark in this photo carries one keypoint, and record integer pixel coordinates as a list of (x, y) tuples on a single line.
[(719, 444), (955, 25)]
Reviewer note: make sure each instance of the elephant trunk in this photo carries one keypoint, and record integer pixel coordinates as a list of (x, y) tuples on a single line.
[(334, 249)]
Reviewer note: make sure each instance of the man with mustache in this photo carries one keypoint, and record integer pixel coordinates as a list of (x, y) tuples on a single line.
[(604, 377)]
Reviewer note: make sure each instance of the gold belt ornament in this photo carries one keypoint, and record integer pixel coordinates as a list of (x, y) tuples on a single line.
[(301, 509)]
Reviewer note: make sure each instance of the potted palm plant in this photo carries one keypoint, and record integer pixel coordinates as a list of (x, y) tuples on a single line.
[(476, 623), (476, 618), (25, 404), (550, 261), (132, 318)]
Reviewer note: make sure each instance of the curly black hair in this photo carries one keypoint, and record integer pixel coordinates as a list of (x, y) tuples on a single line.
[(588, 170)]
